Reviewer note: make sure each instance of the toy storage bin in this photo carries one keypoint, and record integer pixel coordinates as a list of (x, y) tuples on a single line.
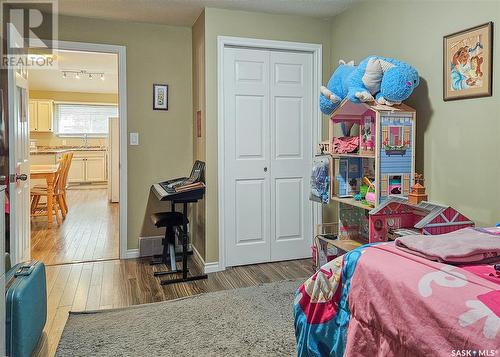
[(323, 250)]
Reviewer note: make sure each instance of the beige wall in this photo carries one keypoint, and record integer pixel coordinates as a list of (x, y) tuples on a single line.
[(458, 144), (255, 25), (155, 54), (198, 215), (51, 139)]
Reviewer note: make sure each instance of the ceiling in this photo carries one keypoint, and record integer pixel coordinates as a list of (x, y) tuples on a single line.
[(185, 12), (52, 79)]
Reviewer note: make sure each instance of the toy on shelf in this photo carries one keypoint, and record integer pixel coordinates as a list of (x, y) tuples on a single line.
[(417, 193), (399, 216), (386, 80), (370, 196)]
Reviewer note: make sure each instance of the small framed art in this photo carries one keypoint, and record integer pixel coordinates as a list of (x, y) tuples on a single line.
[(160, 97), (468, 63)]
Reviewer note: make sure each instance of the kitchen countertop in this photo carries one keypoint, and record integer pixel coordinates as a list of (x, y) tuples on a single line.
[(61, 150)]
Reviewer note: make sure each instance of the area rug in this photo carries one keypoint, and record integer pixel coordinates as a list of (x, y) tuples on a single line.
[(254, 321)]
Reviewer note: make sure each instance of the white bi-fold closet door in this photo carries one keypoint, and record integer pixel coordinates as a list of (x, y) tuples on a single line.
[(268, 116)]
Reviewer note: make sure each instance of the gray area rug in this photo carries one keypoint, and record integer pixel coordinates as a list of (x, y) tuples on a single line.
[(254, 321)]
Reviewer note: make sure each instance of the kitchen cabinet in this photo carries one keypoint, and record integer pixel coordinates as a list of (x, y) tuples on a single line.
[(41, 115), (88, 167)]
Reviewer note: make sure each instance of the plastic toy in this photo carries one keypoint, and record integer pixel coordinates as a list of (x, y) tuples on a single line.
[(397, 216), (386, 80)]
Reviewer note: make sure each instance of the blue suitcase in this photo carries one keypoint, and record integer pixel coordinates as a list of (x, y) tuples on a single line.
[(26, 307)]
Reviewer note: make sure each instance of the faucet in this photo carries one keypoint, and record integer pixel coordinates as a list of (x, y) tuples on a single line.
[(85, 140)]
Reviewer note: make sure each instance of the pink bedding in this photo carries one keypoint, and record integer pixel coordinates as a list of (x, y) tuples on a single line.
[(468, 245), (404, 305), (392, 303)]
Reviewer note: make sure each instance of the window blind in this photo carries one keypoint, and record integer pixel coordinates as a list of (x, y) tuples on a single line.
[(80, 119)]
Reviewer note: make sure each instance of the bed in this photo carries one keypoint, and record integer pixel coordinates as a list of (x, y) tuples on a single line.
[(378, 300)]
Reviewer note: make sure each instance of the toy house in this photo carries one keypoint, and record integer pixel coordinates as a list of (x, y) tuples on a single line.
[(397, 216), (374, 144), (373, 141)]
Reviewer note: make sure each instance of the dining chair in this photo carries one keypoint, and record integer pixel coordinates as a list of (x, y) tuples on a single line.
[(64, 186), (58, 192)]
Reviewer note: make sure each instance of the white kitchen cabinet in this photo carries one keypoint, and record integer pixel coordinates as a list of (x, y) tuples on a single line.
[(96, 169), (41, 115), (88, 167), (77, 170)]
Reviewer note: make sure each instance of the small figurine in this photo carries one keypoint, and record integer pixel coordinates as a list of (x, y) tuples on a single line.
[(417, 192)]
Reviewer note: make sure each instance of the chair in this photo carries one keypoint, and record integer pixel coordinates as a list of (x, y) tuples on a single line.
[(59, 191), (169, 220)]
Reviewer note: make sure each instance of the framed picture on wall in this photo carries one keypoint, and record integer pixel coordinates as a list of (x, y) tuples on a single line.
[(160, 97), (468, 63)]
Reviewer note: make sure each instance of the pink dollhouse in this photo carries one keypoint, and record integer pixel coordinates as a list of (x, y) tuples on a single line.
[(397, 216)]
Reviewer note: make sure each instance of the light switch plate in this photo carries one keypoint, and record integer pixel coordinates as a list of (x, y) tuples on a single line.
[(134, 138)]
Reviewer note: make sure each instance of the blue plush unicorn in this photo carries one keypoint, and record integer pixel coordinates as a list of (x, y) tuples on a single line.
[(386, 80)]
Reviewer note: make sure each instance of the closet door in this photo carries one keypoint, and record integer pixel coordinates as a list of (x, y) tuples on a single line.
[(291, 154), (247, 156)]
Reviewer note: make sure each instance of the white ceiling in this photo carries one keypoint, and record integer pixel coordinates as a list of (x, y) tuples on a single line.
[(185, 12), (52, 79)]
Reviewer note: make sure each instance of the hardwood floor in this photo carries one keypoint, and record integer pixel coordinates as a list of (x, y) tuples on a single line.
[(89, 232), (121, 283)]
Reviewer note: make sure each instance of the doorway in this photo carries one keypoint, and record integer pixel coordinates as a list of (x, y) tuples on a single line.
[(270, 127), (78, 108)]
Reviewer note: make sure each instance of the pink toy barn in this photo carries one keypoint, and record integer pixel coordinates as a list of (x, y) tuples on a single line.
[(425, 218)]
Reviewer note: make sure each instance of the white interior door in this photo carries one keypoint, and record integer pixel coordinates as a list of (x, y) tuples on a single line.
[(19, 170), (267, 156), (291, 89), (247, 156)]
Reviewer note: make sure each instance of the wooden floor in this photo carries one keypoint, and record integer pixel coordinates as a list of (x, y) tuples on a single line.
[(121, 283), (89, 232)]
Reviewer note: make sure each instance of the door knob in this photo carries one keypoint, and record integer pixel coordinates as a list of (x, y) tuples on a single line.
[(265, 169), (21, 177)]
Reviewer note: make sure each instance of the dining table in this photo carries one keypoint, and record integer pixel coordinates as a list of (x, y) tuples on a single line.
[(47, 173)]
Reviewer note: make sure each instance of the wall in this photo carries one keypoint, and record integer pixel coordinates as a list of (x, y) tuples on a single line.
[(255, 25), (457, 142), (155, 54), (51, 139), (198, 214)]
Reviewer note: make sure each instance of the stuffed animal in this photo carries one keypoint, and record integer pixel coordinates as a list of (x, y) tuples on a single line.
[(386, 80)]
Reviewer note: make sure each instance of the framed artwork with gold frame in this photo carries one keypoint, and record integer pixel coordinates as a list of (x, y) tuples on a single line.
[(468, 63)]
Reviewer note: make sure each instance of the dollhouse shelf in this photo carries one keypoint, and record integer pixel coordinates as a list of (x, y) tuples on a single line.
[(384, 156), (351, 201), (339, 156)]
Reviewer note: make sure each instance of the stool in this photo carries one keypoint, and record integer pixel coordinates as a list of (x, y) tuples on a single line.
[(169, 220)]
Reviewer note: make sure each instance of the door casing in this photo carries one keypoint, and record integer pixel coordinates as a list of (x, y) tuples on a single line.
[(222, 42), (120, 51)]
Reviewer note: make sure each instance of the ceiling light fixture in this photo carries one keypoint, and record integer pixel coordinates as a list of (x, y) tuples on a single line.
[(82, 74)]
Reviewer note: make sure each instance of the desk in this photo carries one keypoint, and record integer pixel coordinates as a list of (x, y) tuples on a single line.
[(48, 173)]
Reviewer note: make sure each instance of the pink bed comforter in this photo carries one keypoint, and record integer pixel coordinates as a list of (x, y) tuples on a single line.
[(405, 305)]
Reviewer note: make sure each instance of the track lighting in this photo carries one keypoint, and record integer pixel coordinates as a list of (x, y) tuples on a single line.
[(82, 74)]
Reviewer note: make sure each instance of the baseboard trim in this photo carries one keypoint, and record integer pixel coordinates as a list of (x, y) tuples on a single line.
[(132, 254), (211, 267)]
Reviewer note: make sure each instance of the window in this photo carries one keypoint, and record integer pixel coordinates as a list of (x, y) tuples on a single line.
[(81, 119), (396, 135)]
